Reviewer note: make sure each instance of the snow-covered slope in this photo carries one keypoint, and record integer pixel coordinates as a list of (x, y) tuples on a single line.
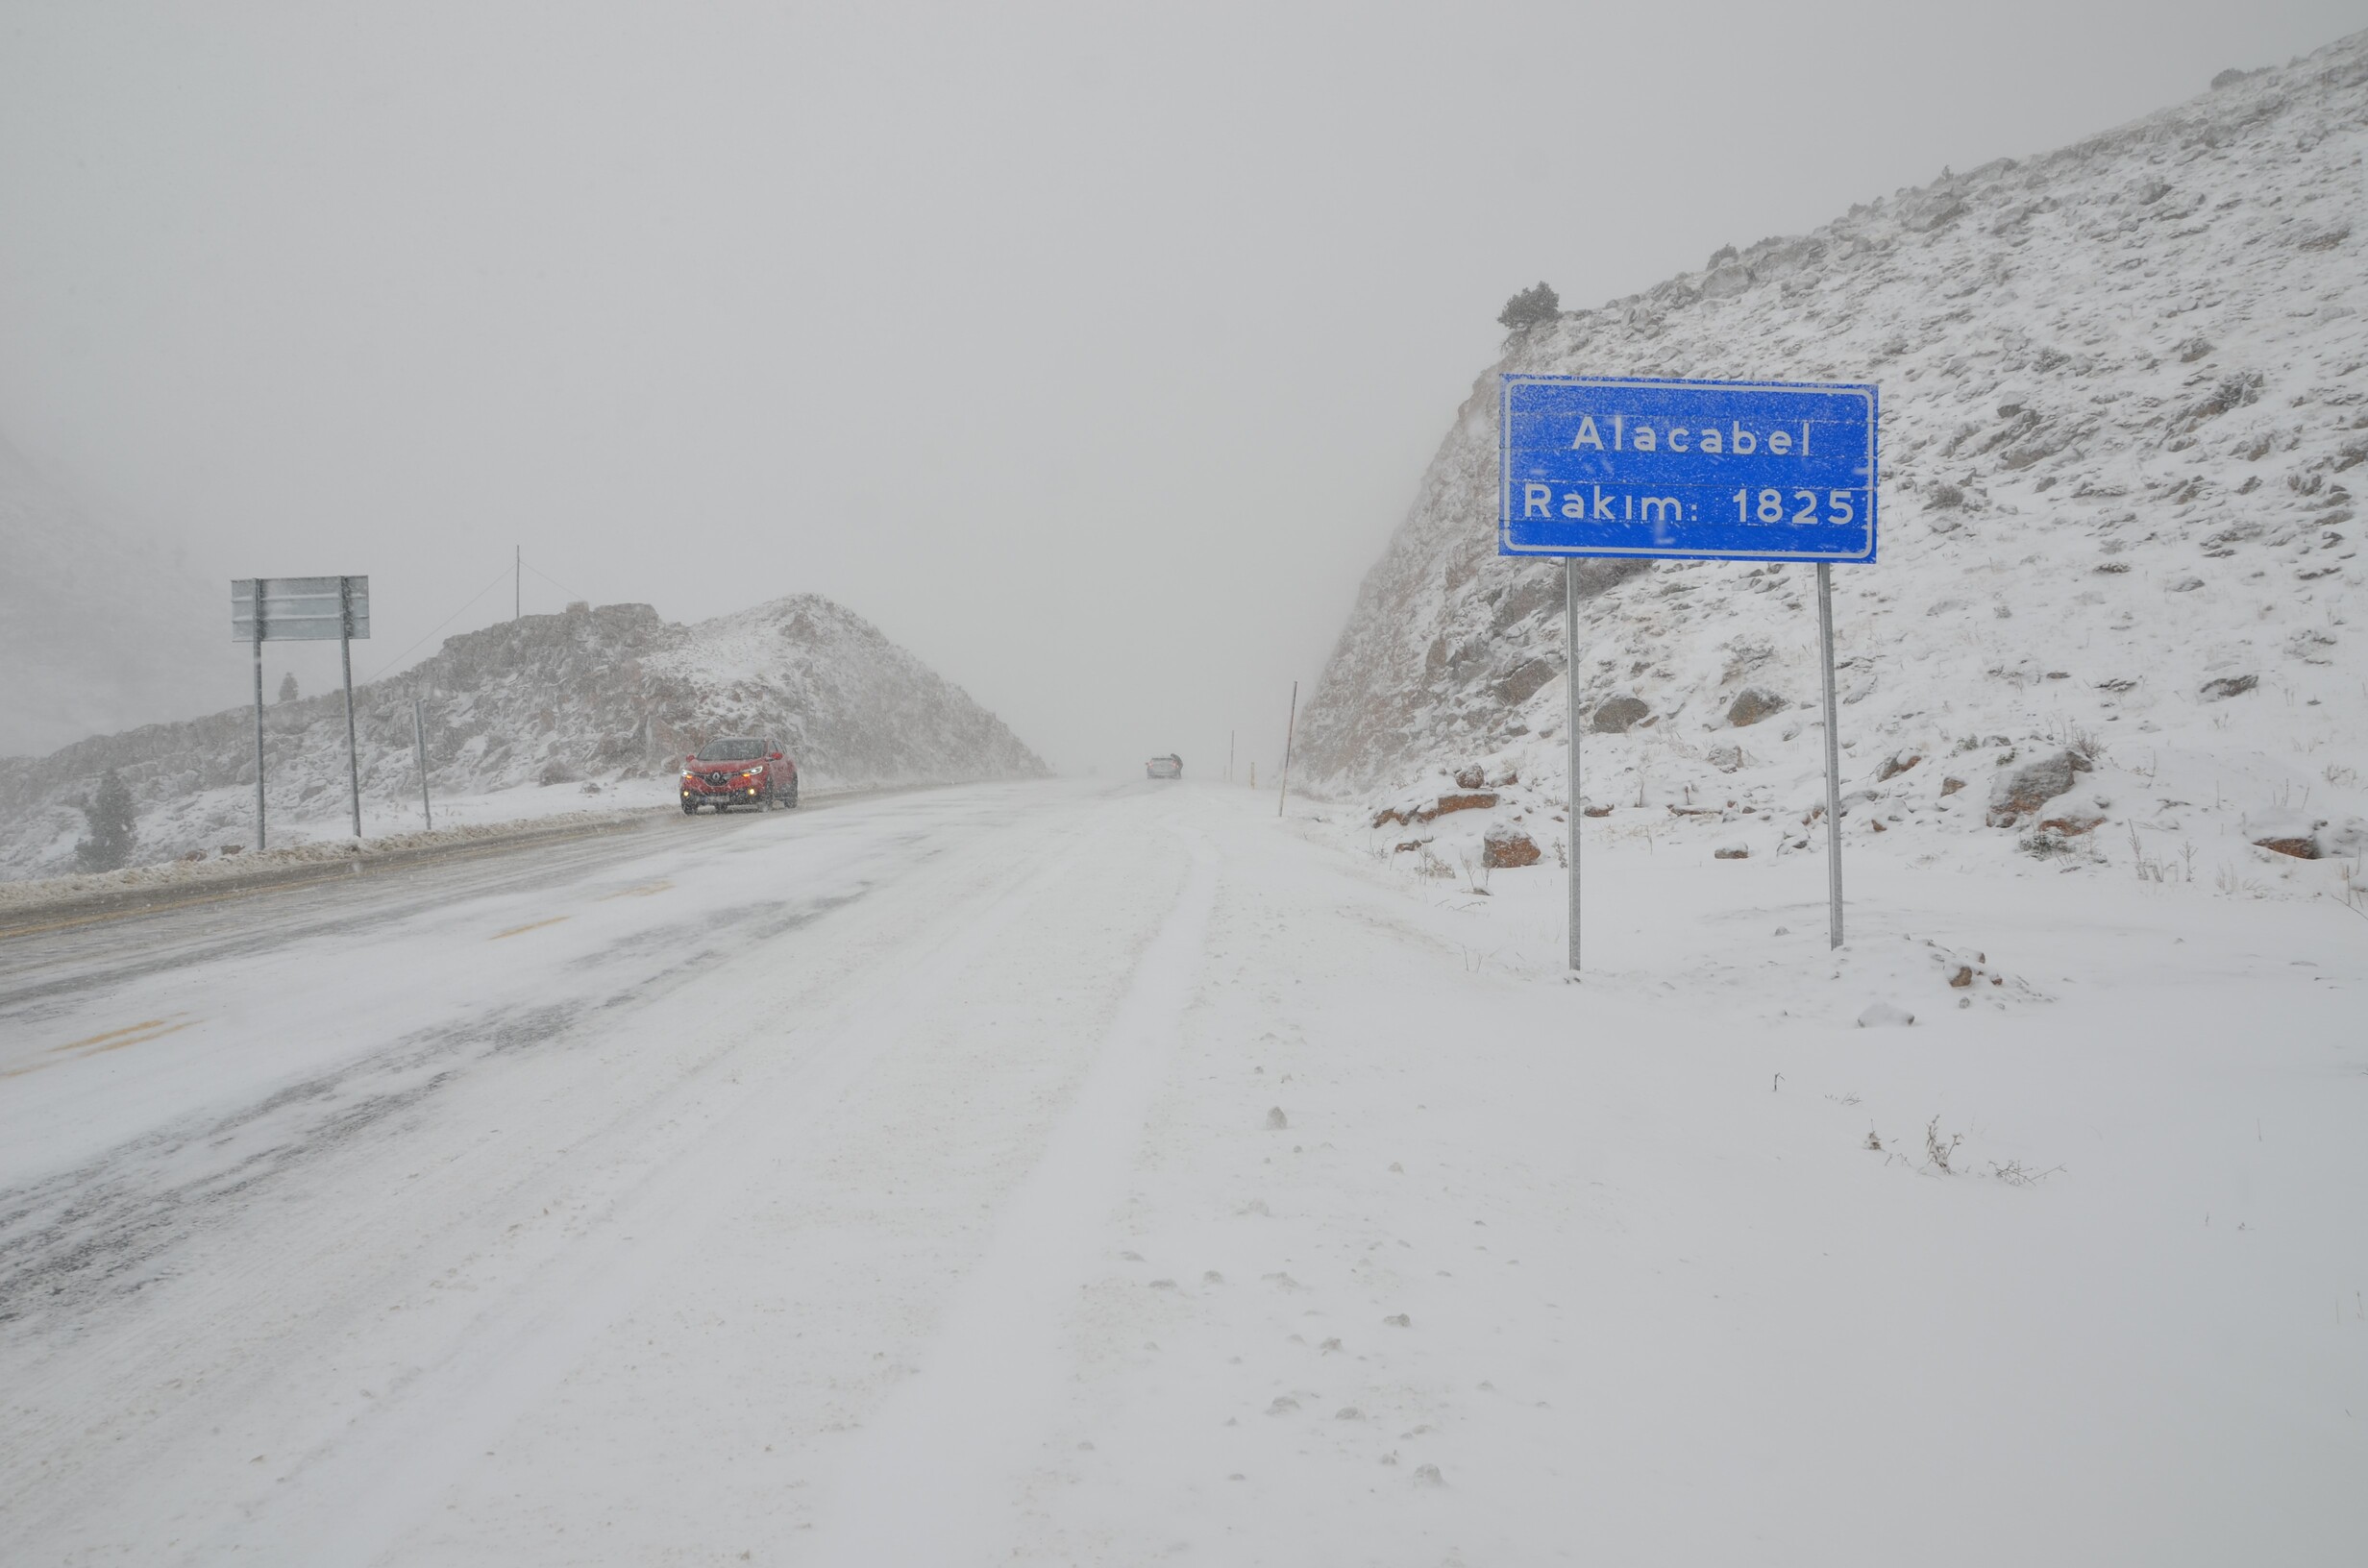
[(591, 698), (97, 631), (2125, 409)]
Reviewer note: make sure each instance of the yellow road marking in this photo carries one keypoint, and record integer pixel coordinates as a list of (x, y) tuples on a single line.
[(114, 1040), (129, 1029), (642, 891), (517, 929), (142, 1039)]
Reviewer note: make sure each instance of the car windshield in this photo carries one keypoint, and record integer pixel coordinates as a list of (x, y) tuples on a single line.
[(731, 748)]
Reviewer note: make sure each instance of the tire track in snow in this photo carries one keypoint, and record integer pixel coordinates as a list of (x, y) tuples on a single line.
[(936, 1476), (363, 1490)]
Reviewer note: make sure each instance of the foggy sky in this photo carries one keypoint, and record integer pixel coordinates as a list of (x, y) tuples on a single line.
[(1093, 352)]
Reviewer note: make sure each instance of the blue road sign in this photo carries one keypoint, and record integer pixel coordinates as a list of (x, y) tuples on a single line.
[(1755, 470)]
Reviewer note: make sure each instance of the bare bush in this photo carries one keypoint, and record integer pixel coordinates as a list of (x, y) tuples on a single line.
[(1936, 1151)]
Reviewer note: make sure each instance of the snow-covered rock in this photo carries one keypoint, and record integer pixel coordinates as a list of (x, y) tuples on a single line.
[(589, 698), (2124, 402)]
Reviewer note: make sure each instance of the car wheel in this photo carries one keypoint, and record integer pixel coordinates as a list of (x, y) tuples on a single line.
[(690, 808), (792, 798)]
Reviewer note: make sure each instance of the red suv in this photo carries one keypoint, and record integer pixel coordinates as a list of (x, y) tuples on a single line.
[(739, 771)]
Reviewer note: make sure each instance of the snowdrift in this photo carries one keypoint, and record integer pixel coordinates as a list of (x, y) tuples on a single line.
[(588, 700), (2125, 408)]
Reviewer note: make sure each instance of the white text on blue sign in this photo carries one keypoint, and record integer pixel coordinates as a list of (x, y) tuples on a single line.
[(1688, 470)]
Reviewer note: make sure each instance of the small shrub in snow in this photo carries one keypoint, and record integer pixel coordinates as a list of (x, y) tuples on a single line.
[(111, 814), (1937, 1152)]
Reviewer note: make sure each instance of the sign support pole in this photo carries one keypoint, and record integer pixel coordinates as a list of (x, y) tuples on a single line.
[(1571, 679), (1832, 754), (258, 716), (345, 651), (419, 748), (1288, 730)]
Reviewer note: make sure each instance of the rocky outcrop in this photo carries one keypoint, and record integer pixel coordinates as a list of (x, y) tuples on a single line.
[(1752, 704), (1506, 847), (2033, 785), (1618, 715)]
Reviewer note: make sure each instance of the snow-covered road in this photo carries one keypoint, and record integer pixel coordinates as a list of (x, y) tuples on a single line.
[(1077, 1173)]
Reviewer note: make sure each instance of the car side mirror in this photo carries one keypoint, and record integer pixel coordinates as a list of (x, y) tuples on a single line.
[(774, 757)]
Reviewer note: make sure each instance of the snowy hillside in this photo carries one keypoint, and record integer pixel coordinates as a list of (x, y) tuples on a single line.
[(71, 587), (588, 700), (2118, 610)]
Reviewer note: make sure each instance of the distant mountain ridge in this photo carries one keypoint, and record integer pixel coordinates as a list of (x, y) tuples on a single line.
[(98, 629), (2125, 405), (595, 695)]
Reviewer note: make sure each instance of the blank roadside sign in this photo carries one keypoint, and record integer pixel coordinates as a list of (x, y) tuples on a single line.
[(1752, 471), (298, 609)]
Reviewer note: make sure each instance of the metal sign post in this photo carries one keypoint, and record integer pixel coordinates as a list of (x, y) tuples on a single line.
[(1571, 678), (301, 609), (1288, 730), (345, 654), (1716, 471), (256, 614), (1833, 757), (419, 750)]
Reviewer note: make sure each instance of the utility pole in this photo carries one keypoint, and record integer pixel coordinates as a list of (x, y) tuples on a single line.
[(517, 578), (1288, 730)]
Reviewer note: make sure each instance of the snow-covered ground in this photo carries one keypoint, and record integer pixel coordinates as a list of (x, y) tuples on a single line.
[(1064, 1173)]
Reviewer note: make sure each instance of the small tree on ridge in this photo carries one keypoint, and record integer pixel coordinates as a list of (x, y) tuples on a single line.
[(1530, 307)]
